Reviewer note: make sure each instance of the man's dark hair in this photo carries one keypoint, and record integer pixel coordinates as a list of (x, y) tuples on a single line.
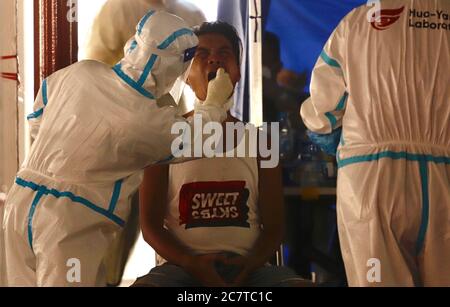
[(224, 29)]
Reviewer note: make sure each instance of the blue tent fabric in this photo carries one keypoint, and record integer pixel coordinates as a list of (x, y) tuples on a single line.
[(304, 26)]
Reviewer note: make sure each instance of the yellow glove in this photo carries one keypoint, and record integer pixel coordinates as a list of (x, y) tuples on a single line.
[(219, 89)]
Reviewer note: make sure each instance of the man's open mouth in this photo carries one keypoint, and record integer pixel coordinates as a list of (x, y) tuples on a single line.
[(212, 75)]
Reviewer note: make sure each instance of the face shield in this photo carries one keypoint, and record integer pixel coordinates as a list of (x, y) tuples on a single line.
[(175, 94), (158, 58)]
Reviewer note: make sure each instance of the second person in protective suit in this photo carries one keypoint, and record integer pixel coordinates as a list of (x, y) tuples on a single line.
[(380, 95), (95, 129)]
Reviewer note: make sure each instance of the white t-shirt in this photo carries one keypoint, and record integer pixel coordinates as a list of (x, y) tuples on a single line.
[(213, 204)]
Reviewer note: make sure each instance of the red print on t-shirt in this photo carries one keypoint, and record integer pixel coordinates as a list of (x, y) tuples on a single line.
[(214, 204)]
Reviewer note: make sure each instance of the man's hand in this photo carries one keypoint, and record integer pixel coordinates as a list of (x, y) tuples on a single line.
[(202, 267), (219, 89)]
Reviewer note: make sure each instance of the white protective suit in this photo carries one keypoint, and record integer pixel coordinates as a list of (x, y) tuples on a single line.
[(95, 129), (112, 28), (387, 83), (115, 25)]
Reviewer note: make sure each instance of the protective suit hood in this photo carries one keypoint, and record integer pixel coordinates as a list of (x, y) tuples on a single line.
[(155, 59)]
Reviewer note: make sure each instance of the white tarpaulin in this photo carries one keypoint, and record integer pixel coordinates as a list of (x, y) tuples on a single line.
[(255, 54), (8, 94), (8, 108)]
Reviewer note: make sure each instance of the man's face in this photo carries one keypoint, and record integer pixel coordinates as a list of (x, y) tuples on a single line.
[(214, 51)]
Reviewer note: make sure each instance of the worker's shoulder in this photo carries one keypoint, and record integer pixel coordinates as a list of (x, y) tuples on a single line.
[(89, 65), (356, 13), (62, 73), (361, 11), (118, 4), (84, 67), (181, 4), (186, 10)]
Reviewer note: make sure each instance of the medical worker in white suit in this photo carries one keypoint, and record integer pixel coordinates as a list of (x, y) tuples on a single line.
[(382, 87), (95, 129), (112, 28)]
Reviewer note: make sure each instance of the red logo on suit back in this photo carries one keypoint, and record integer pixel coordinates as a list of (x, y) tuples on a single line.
[(386, 18), (214, 204)]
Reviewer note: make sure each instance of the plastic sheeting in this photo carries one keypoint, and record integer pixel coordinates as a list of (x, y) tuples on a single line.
[(2, 244), (8, 93), (255, 61), (236, 13)]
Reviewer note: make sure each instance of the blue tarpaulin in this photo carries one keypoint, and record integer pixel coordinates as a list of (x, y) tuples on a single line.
[(304, 26)]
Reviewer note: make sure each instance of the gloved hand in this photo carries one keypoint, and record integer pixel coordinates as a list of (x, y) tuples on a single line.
[(219, 89), (327, 142)]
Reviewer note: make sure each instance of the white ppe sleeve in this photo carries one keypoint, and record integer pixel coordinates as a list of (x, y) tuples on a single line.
[(35, 118), (323, 111)]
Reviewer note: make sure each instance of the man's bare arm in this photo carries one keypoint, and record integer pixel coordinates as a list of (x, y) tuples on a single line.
[(153, 206)]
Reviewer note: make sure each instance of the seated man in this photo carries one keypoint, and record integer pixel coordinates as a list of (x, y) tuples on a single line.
[(217, 221)]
